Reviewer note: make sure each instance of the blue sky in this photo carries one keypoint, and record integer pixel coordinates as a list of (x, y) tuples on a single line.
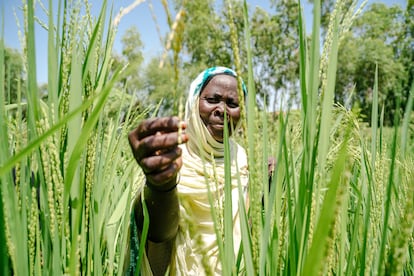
[(140, 17)]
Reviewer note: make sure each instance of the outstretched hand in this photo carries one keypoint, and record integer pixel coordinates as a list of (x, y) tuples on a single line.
[(154, 144)]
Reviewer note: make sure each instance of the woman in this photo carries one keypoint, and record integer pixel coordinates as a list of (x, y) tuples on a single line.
[(181, 168)]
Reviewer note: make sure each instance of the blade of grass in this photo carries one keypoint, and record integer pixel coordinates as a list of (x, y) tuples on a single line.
[(74, 130), (313, 77), (4, 154), (3, 122), (366, 183), (406, 122), (381, 134), (32, 95), (245, 232), (269, 209), (311, 82), (315, 261), (328, 98), (254, 186), (352, 254), (143, 237), (302, 61), (291, 195), (89, 66), (374, 120), (343, 221), (389, 195), (52, 60), (228, 202), (369, 173)]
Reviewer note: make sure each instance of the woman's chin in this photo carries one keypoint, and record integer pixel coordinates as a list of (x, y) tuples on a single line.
[(217, 131)]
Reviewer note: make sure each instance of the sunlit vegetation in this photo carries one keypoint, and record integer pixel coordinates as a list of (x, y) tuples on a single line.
[(333, 106)]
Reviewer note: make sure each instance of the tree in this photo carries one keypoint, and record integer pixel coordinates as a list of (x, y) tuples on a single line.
[(204, 37), (275, 50), (406, 42), (159, 86), (373, 41), (131, 56), (14, 74)]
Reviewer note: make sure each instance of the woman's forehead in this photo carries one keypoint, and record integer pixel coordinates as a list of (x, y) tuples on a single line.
[(224, 78), (221, 83)]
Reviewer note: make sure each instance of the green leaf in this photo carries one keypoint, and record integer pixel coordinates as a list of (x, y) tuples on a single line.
[(315, 258)]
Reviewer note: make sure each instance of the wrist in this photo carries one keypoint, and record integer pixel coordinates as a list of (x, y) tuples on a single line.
[(166, 188)]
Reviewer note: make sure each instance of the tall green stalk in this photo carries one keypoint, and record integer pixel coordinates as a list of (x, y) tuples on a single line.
[(255, 186), (4, 257)]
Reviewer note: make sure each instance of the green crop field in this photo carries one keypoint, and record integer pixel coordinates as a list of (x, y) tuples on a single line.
[(340, 200)]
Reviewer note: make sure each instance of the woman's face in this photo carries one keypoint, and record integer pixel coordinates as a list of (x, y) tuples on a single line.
[(218, 95)]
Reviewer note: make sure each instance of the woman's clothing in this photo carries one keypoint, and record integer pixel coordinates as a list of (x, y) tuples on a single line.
[(201, 176)]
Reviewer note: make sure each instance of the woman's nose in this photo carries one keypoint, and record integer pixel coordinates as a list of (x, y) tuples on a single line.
[(220, 108)]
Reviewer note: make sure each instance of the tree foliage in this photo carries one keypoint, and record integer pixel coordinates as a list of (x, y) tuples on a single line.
[(204, 34), (159, 86), (132, 56), (374, 40), (406, 43), (14, 74), (275, 45)]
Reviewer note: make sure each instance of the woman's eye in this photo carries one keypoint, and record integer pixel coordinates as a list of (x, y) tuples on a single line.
[(232, 104), (212, 100)]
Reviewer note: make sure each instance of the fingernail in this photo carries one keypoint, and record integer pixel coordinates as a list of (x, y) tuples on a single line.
[(182, 124), (183, 138)]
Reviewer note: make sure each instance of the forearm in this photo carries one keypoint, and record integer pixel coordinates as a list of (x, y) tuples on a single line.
[(163, 211), (159, 256)]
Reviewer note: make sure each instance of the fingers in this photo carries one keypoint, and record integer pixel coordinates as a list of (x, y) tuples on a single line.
[(152, 126), (159, 179), (160, 162), (158, 143), (154, 144), (155, 126)]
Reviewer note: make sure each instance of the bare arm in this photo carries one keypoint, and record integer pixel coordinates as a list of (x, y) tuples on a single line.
[(155, 147), (163, 209)]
